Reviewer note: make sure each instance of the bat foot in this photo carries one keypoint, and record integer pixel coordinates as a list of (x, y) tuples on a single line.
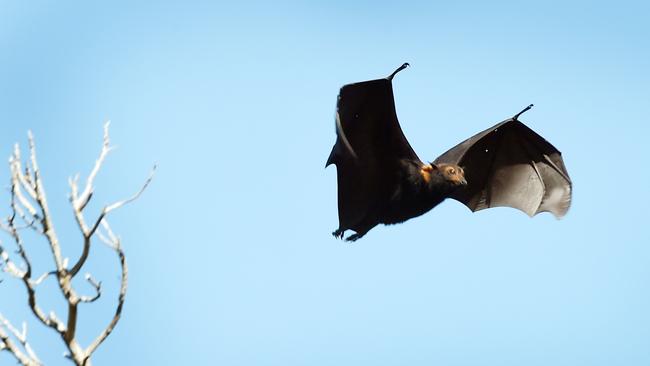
[(338, 233), (354, 237)]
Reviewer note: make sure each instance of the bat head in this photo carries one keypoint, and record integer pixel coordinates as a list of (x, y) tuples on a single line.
[(449, 174)]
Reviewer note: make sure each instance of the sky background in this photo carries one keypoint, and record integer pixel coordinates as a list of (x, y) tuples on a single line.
[(230, 253)]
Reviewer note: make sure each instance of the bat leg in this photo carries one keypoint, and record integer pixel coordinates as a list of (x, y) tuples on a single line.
[(338, 233), (362, 229)]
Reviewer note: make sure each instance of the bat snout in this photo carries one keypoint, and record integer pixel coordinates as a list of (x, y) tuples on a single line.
[(457, 181)]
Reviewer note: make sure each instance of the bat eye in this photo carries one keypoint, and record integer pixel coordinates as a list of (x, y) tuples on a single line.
[(452, 171)]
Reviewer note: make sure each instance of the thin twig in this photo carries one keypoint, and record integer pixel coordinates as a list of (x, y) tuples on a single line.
[(119, 204), (41, 199), (42, 277), (113, 242), (29, 359), (24, 179), (98, 290), (81, 202)]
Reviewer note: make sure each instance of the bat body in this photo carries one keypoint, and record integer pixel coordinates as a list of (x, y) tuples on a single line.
[(382, 181)]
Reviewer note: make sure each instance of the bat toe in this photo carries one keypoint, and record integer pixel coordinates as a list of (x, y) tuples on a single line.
[(338, 233)]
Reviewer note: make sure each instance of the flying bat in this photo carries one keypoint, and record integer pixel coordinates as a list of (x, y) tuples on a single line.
[(382, 181)]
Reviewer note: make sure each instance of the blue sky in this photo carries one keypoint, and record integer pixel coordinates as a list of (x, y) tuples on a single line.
[(230, 251)]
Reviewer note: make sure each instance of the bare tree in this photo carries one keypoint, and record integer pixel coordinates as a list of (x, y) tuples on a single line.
[(29, 211)]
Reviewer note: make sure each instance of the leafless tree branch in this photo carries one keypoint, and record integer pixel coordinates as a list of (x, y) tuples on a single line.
[(41, 199), (29, 204), (80, 202), (113, 242)]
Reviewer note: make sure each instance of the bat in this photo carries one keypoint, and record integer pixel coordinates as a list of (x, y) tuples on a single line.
[(382, 181)]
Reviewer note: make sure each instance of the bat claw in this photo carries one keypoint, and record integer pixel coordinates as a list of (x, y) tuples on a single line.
[(338, 233), (523, 111), (404, 65)]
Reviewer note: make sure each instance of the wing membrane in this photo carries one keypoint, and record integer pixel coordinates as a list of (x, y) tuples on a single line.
[(510, 165), (369, 145)]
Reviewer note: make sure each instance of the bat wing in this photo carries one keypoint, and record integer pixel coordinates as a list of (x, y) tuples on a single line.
[(509, 165), (368, 147)]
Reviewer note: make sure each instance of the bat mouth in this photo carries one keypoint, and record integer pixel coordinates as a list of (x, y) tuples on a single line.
[(457, 183)]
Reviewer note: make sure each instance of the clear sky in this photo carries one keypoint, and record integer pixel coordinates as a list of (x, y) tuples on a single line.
[(231, 257)]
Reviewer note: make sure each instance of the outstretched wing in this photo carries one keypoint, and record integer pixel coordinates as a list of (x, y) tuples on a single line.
[(368, 147), (510, 165), (367, 125)]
